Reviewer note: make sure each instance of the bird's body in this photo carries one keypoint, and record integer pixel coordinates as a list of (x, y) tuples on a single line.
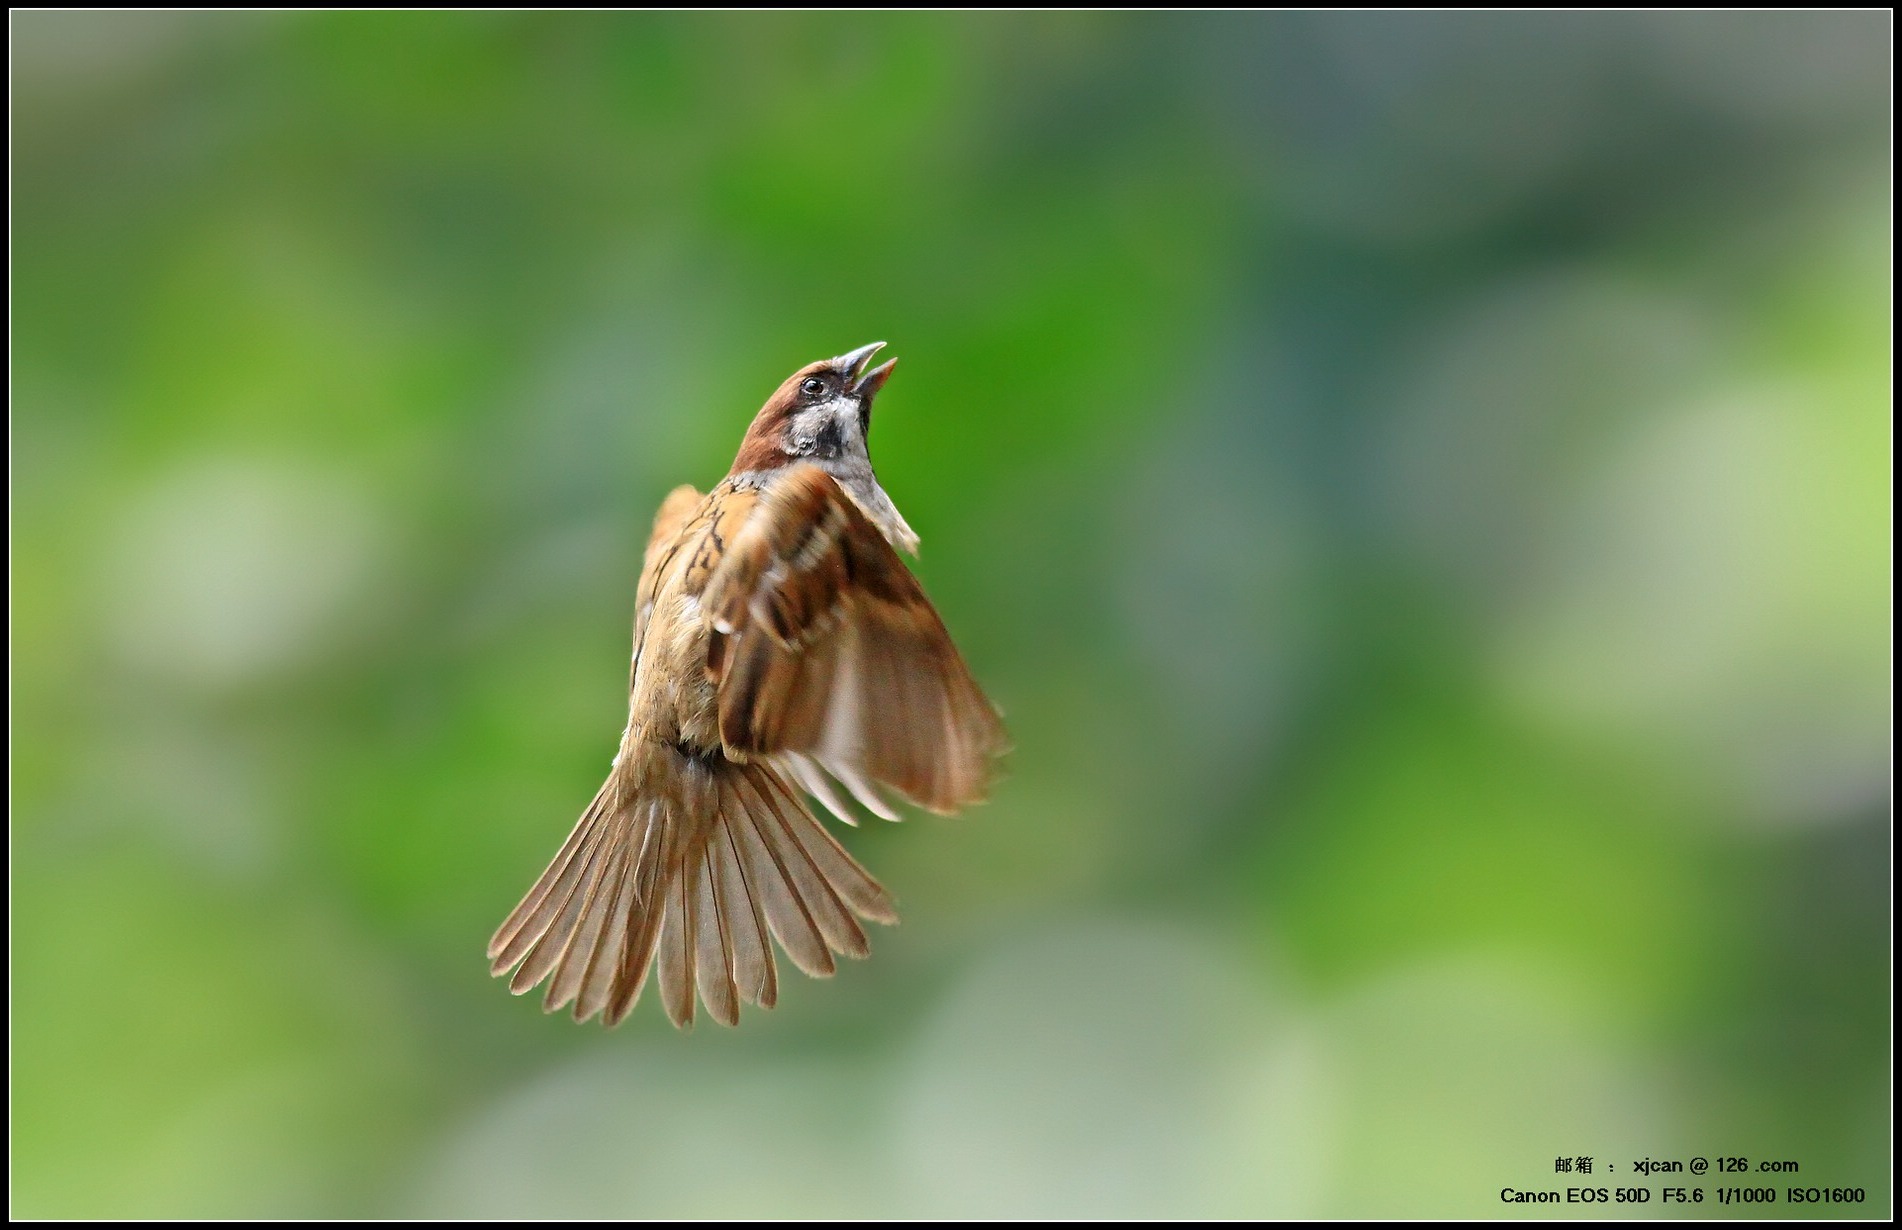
[(781, 648)]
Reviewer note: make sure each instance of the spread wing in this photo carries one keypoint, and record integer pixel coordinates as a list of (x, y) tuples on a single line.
[(675, 513), (829, 658)]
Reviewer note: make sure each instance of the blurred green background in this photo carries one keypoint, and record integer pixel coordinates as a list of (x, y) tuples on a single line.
[(1418, 486)]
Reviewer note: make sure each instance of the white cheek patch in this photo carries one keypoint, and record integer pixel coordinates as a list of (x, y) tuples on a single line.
[(838, 418)]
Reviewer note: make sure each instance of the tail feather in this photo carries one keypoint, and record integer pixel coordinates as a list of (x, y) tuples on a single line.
[(753, 970), (597, 977), (526, 923), (569, 917), (689, 875), (840, 870), (643, 925), (568, 946), (674, 964), (713, 958), (546, 930), (835, 922), (787, 914)]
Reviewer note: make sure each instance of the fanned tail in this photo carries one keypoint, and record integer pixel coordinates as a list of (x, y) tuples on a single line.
[(688, 866)]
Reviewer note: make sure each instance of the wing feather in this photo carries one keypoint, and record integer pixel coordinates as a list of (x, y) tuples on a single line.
[(834, 652), (676, 512)]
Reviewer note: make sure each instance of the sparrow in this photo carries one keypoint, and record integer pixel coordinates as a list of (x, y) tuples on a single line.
[(781, 650)]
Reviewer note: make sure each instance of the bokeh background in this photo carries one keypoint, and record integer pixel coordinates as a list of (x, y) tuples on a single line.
[(1418, 486)]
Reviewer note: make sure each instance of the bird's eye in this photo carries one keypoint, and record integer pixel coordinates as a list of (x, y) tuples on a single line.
[(812, 386)]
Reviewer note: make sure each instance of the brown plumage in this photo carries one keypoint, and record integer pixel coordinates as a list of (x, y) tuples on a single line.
[(781, 649)]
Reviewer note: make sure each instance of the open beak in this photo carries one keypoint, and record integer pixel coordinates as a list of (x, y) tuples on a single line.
[(858, 381)]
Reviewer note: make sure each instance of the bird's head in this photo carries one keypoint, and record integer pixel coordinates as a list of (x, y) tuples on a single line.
[(822, 414)]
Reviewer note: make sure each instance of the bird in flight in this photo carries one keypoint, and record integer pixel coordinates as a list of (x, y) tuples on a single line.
[(781, 650)]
